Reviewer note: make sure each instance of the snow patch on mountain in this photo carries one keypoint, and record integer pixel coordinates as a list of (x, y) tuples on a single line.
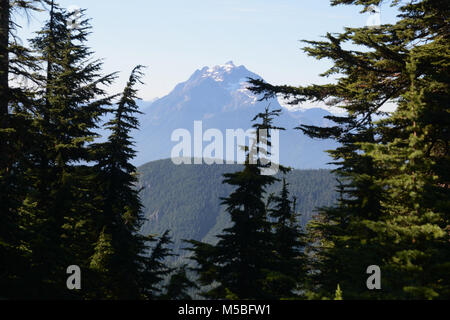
[(219, 72)]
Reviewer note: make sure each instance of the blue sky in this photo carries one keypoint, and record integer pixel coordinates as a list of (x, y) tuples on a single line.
[(176, 37)]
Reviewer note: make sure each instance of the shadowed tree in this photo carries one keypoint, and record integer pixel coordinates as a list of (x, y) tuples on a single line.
[(375, 223), (58, 208), (289, 241), (16, 141), (238, 265)]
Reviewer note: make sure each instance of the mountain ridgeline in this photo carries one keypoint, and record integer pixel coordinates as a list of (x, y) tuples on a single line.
[(219, 97), (185, 199)]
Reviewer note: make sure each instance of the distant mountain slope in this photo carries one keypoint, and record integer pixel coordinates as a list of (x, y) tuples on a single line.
[(219, 97), (186, 198)]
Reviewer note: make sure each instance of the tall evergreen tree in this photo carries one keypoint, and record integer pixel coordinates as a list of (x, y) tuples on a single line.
[(414, 160), (57, 209), (4, 57), (179, 285), (288, 241), (238, 265), (363, 228), (120, 210), (16, 141), (7, 223), (126, 265), (156, 270), (58, 206)]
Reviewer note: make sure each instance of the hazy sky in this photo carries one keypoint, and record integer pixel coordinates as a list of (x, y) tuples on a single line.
[(176, 37)]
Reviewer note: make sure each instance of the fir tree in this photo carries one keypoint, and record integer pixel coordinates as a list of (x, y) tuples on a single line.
[(289, 242), (58, 206), (354, 234), (414, 163), (238, 265), (179, 285), (120, 210), (8, 223), (16, 141), (4, 58), (155, 269), (130, 268)]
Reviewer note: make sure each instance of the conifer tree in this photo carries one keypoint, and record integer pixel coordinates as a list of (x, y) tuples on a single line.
[(156, 269), (289, 241), (414, 161), (120, 210), (7, 223), (364, 228), (16, 141), (238, 265), (4, 58), (179, 285), (58, 206), (126, 264)]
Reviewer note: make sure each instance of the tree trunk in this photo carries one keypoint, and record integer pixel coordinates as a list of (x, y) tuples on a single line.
[(4, 61)]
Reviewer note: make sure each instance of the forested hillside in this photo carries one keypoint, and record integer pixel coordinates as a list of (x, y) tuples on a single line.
[(185, 199)]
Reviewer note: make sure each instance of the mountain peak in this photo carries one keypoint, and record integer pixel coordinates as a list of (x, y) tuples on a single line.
[(219, 96), (218, 72), (226, 66)]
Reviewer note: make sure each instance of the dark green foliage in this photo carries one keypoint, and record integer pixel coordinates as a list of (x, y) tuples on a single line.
[(64, 200), (393, 209), (156, 267), (119, 203), (249, 261), (179, 285), (58, 206), (15, 143), (415, 170), (238, 264), (288, 239)]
